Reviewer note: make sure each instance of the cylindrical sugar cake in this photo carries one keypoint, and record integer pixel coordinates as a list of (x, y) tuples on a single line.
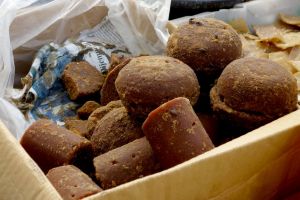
[(50, 146), (126, 163), (71, 183), (175, 132)]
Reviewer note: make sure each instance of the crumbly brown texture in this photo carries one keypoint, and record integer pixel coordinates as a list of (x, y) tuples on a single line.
[(108, 91), (82, 80), (88, 107), (115, 60), (126, 163), (115, 129), (100, 112), (175, 133), (71, 183), (79, 127), (148, 81), (251, 92), (206, 45), (50, 146)]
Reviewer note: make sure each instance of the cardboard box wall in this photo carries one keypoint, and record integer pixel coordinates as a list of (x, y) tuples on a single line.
[(263, 164)]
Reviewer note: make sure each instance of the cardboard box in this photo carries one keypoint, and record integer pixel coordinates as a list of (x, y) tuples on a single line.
[(263, 164)]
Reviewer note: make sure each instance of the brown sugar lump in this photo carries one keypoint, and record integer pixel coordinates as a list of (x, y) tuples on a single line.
[(115, 129), (97, 114), (252, 92), (82, 80), (108, 90), (148, 81), (100, 112), (79, 127), (71, 183), (88, 107), (206, 45), (126, 163), (50, 146), (175, 132)]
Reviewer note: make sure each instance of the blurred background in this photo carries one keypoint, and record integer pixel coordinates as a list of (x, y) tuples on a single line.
[(180, 8)]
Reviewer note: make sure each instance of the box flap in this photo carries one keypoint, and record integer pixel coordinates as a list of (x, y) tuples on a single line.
[(20, 177)]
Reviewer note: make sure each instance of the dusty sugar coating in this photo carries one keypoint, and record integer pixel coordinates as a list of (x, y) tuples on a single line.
[(115, 129), (236, 120), (82, 80), (100, 112), (253, 91), (88, 107), (103, 110), (108, 91), (79, 127), (50, 146), (206, 45), (126, 163), (148, 81), (71, 183), (175, 133)]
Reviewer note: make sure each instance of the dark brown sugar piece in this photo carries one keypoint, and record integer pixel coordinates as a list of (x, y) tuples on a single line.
[(87, 108), (79, 127), (206, 45), (100, 112), (210, 124), (114, 130), (97, 114), (254, 91), (82, 80), (148, 81), (126, 163), (108, 91), (71, 183), (50, 146), (175, 133)]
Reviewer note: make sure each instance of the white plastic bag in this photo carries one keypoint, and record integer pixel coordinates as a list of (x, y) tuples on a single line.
[(9, 114), (8, 12), (141, 24)]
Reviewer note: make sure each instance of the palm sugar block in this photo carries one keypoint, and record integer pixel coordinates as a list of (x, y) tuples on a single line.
[(100, 112), (50, 146), (87, 108), (176, 133), (82, 80), (146, 82), (126, 163), (108, 91), (79, 127), (115, 129), (71, 183)]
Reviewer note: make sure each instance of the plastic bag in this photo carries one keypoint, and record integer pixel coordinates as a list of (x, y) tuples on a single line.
[(9, 114), (25, 30)]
